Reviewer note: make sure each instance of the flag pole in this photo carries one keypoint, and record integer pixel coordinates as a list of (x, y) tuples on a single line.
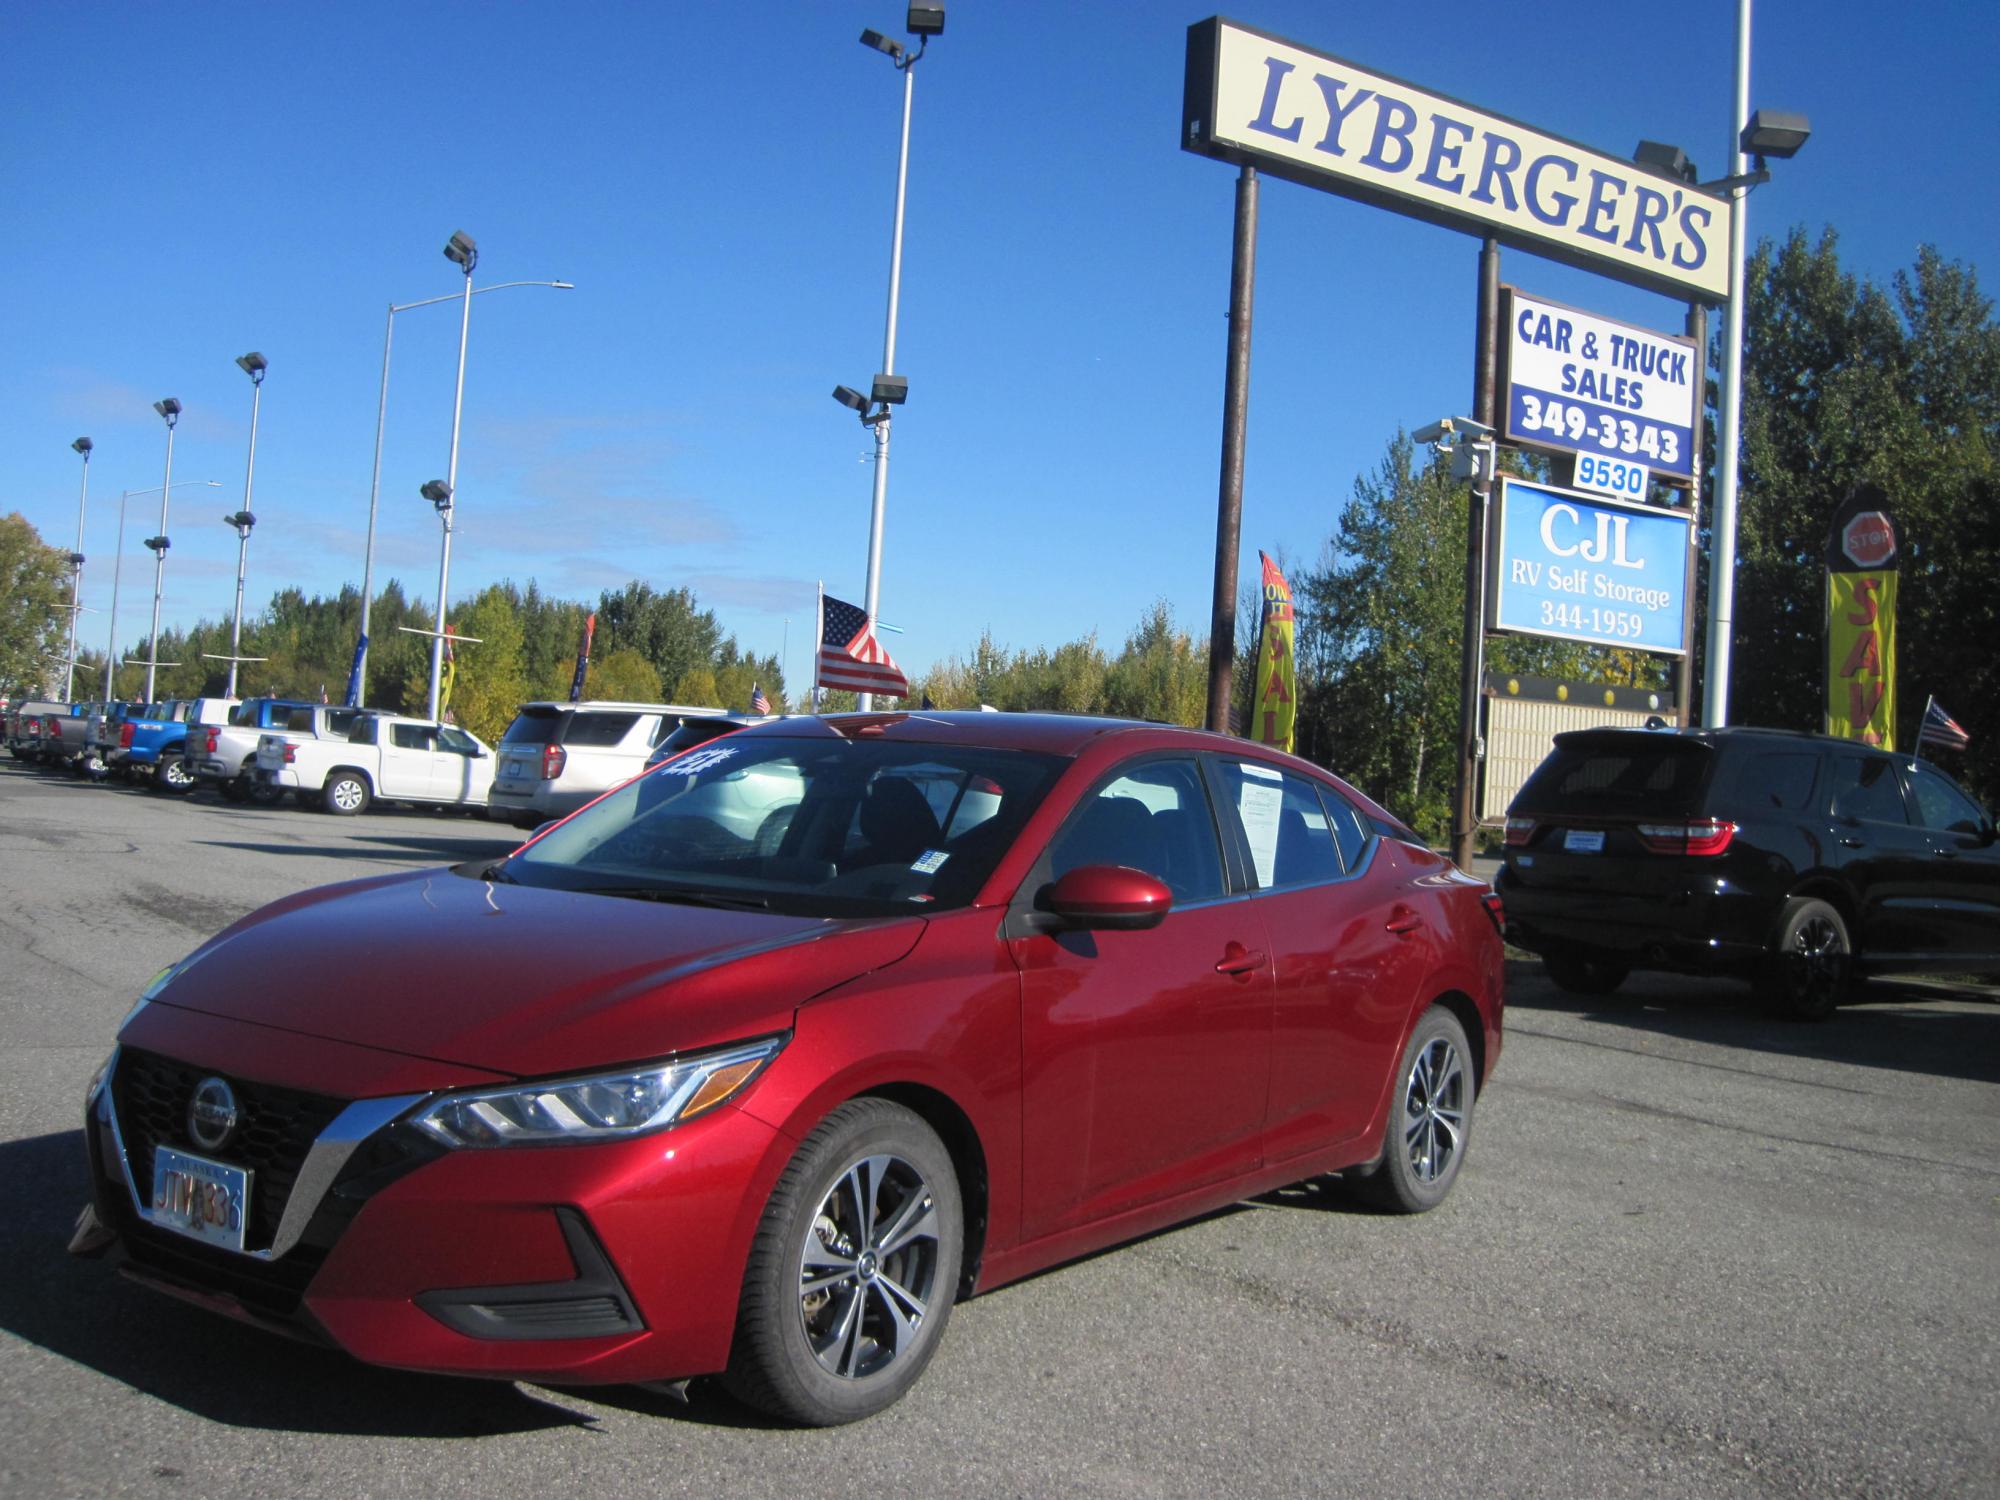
[(819, 640), (1924, 723)]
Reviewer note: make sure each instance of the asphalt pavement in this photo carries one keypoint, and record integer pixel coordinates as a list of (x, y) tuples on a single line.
[(1695, 1251)]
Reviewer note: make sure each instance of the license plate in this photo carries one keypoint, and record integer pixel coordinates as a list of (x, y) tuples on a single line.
[(1584, 841), (204, 1200)]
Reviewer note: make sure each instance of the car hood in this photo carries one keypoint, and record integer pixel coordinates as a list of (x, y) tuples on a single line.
[(520, 980)]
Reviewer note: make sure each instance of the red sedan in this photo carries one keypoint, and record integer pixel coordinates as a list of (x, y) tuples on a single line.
[(759, 1062)]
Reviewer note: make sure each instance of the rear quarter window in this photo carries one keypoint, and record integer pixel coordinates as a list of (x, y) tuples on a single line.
[(1774, 781), (531, 729), (598, 729)]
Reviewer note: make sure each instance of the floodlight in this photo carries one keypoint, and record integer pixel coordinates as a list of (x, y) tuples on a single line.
[(157, 544), (253, 364), (1774, 133), (83, 446), (462, 250), (169, 408), (437, 492), (850, 398), (891, 390), (926, 18), (76, 559), (1669, 159), (881, 43), (242, 520)]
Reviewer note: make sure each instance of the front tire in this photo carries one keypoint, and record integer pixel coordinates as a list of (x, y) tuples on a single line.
[(852, 1273), (1430, 1119), (346, 793), (173, 775), (1811, 967)]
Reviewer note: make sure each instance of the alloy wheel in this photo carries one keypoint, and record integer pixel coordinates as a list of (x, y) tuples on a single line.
[(1434, 1110), (868, 1270)]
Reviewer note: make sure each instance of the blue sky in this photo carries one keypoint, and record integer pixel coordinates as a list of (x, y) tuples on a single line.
[(182, 184)]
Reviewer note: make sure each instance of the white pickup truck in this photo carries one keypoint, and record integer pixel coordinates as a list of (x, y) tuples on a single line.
[(383, 758)]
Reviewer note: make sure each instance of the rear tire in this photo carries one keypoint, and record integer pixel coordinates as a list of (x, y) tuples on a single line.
[(346, 794), (172, 775), (1811, 967), (1430, 1119), (1583, 976), (853, 1270)]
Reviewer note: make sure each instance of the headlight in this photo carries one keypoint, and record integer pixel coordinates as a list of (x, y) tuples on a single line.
[(603, 1107), (97, 1079)]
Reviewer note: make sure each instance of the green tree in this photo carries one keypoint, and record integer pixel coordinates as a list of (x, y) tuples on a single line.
[(1161, 674), (621, 677), (34, 610)]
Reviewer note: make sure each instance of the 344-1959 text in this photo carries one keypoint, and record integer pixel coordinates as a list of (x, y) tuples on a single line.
[(1602, 622)]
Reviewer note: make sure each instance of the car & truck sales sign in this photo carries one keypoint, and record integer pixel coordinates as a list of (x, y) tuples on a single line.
[(1260, 101), (1621, 396), (1583, 568)]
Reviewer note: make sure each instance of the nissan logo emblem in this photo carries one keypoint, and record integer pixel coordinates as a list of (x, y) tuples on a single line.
[(212, 1114)]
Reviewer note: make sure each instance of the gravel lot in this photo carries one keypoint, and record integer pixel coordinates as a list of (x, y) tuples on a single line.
[(1694, 1252)]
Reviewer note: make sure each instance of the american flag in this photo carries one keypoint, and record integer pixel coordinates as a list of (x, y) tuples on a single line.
[(759, 703), (849, 655), (1940, 728)]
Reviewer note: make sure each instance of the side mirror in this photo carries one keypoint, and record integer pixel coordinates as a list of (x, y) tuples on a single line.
[(1111, 898)]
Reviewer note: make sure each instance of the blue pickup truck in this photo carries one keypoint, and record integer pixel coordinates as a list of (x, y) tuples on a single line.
[(151, 741), (224, 756)]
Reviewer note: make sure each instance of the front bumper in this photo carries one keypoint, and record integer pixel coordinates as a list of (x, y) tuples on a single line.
[(603, 1263)]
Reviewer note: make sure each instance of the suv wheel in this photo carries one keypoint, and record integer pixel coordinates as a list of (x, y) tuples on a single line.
[(1811, 964), (1583, 976)]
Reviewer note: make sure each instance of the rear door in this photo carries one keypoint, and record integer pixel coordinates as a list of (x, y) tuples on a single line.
[(1962, 875), (1884, 858), (408, 751)]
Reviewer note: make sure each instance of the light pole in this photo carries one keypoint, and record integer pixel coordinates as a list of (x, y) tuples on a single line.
[(170, 410), (1763, 134), (375, 483), (242, 521), (925, 20), (83, 446), (117, 574), (462, 252)]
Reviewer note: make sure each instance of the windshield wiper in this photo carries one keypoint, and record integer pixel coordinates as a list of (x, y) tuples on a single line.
[(686, 895)]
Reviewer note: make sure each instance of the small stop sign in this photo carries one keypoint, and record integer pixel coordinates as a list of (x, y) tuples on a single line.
[(1869, 539)]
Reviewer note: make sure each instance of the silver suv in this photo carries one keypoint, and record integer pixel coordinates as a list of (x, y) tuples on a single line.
[(555, 757)]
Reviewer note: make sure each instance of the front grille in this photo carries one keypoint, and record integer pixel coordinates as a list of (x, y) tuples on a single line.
[(277, 1127)]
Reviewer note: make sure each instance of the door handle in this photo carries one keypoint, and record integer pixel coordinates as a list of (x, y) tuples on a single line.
[(1944, 853), (1238, 960), (1850, 843), (1402, 921)]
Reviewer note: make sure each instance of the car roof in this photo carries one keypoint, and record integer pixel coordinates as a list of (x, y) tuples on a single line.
[(1052, 733), (1714, 737), (551, 706)]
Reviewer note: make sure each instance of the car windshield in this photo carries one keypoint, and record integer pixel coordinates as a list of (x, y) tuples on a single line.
[(812, 827)]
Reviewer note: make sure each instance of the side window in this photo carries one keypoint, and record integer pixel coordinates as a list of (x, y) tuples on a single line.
[(1865, 788), (1348, 831), (587, 728), (299, 719), (457, 741), (1153, 817), (1287, 832), (1773, 779), (341, 721), (1940, 805), (412, 736)]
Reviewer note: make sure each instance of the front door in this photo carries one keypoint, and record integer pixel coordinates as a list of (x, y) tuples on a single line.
[(1145, 1054)]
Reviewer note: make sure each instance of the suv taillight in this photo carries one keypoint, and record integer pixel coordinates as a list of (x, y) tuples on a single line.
[(1707, 836), (1519, 831), (125, 738), (554, 758)]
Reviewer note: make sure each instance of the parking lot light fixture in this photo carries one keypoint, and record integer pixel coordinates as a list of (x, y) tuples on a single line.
[(461, 251), (83, 446), (242, 521), (117, 576), (170, 412), (375, 483)]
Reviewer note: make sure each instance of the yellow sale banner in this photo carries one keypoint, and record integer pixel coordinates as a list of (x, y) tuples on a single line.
[(1274, 706), (1861, 657)]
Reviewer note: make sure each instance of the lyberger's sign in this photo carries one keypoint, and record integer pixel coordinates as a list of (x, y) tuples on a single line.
[(1320, 120)]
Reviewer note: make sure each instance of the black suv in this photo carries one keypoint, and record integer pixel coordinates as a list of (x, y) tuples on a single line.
[(1792, 860)]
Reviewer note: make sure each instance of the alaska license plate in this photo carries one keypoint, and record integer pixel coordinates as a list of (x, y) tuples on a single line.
[(1584, 841), (204, 1200)]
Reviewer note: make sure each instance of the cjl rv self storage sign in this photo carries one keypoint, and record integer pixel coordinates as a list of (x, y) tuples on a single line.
[(1578, 383), (1584, 568)]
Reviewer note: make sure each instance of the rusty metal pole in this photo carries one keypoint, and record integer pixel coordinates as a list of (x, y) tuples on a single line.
[(1235, 418), (1485, 382), (1697, 329)]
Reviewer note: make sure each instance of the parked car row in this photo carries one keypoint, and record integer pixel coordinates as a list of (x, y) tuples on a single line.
[(554, 758)]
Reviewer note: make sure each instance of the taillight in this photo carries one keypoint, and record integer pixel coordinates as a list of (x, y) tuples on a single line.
[(1705, 837), (554, 758), (125, 738), (291, 752), (1494, 909), (1519, 831), (208, 743)]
